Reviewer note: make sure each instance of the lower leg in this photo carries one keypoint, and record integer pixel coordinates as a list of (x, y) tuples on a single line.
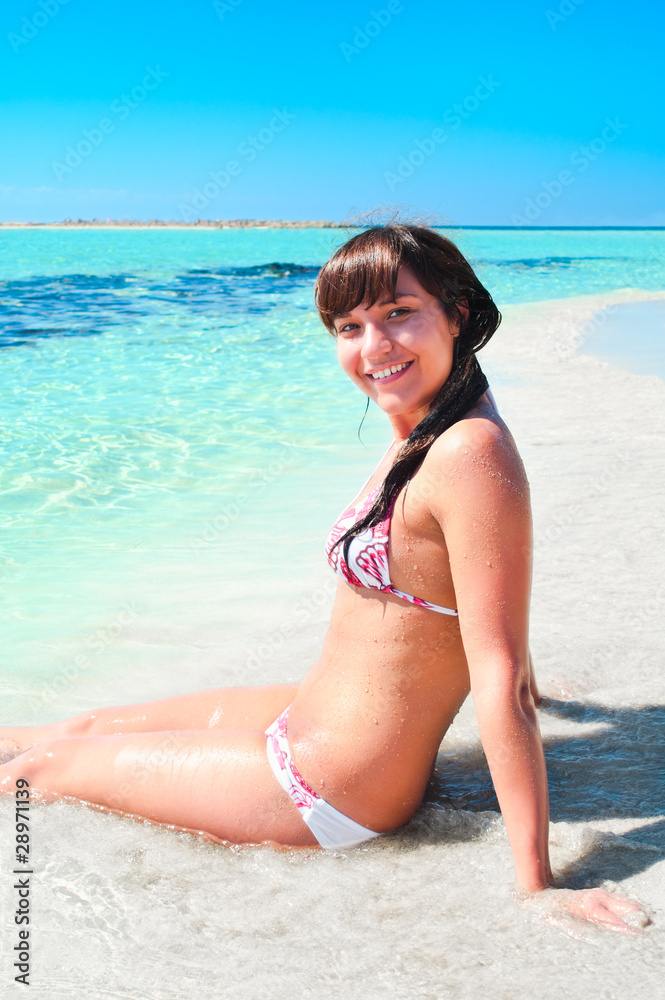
[(230, 708), (216, 781)]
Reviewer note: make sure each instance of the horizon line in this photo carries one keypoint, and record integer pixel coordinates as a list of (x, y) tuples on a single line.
[(291, 224)]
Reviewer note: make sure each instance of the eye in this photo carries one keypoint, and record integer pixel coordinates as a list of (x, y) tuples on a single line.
[(347, 329), (401, 311)]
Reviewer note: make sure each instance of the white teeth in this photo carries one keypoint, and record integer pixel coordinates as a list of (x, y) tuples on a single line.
[(388, 371)]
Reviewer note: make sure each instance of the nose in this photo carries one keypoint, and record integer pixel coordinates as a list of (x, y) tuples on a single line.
[(376, 343)]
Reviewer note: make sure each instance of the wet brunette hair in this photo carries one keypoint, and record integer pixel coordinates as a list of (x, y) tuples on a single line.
[(364, 269)]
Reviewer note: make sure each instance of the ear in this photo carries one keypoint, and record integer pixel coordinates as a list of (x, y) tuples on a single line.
[(463, 307)]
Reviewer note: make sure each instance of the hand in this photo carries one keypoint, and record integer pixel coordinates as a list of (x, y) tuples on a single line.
[(604, 909)]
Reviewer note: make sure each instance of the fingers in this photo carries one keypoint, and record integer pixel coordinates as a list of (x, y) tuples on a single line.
[(601, 914), (568, 909), (613, 912), (608, 900), (623, 904)]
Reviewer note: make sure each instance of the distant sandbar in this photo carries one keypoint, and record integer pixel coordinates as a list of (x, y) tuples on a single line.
[(162, 224)]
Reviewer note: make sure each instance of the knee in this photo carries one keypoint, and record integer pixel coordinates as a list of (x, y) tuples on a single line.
[(78, 725), (39, 766)]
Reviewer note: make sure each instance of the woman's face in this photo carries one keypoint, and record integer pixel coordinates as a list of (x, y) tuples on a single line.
[(399, 353)]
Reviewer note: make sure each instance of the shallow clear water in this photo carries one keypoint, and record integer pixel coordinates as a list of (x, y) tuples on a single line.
[(176, 439), (631, 335)]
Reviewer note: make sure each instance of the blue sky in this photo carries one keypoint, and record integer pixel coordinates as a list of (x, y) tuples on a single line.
[(471, 113)]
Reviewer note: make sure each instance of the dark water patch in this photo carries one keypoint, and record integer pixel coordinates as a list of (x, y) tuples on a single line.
[(275, 270), (254, 290), (540, 262), (68, 305), (30, 337), (76, 305)]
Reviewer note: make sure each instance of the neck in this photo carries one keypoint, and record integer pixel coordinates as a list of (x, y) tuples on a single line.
[(403, 423)]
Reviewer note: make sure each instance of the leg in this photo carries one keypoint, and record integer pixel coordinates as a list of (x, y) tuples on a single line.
[(231, 708), (218, 782)]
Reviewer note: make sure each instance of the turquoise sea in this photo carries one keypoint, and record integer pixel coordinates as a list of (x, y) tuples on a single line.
[(176, 436)]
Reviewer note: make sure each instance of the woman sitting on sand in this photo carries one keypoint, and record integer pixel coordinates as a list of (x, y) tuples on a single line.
[(434, 560)]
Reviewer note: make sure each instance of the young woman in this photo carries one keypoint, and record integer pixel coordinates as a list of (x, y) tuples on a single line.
[(434, 560)]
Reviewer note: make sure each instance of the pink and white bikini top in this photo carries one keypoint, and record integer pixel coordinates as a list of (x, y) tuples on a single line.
[(367, 564)]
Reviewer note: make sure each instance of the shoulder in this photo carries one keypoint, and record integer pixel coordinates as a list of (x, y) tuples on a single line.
[(476, 458), (480, 440)]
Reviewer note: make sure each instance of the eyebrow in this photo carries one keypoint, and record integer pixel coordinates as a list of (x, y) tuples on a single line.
[(385, 302)]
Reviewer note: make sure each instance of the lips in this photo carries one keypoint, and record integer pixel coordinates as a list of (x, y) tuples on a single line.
[(390, 373)]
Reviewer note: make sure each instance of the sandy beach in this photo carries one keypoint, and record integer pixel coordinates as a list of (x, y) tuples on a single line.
[(430, 911)]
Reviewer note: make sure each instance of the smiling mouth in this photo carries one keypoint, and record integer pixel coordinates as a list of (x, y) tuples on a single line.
[(390, 370)]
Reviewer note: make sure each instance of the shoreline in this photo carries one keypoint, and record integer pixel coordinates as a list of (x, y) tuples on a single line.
[(567, 330)]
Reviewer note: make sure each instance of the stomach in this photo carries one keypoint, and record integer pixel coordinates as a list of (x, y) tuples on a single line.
[(368, 718)]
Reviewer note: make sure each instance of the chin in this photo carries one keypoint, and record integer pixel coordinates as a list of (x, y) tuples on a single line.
[(395, 407)]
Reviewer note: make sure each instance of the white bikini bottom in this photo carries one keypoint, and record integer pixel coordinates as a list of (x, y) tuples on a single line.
[(332, 828)]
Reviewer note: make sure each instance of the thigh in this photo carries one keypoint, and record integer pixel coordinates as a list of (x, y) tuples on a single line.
[(218, 708), (217, 782), (228, 708)]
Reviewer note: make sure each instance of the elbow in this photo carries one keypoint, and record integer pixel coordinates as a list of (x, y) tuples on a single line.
[(506, 690), (526, 701)]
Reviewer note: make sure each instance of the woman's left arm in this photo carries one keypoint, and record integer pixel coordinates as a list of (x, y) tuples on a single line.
[(484, 511)]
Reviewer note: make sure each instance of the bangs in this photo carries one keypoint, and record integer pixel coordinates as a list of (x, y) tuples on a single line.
[(365, 270), (361, 271)]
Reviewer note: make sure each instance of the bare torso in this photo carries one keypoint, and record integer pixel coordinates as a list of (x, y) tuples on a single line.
[(368, 718)]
